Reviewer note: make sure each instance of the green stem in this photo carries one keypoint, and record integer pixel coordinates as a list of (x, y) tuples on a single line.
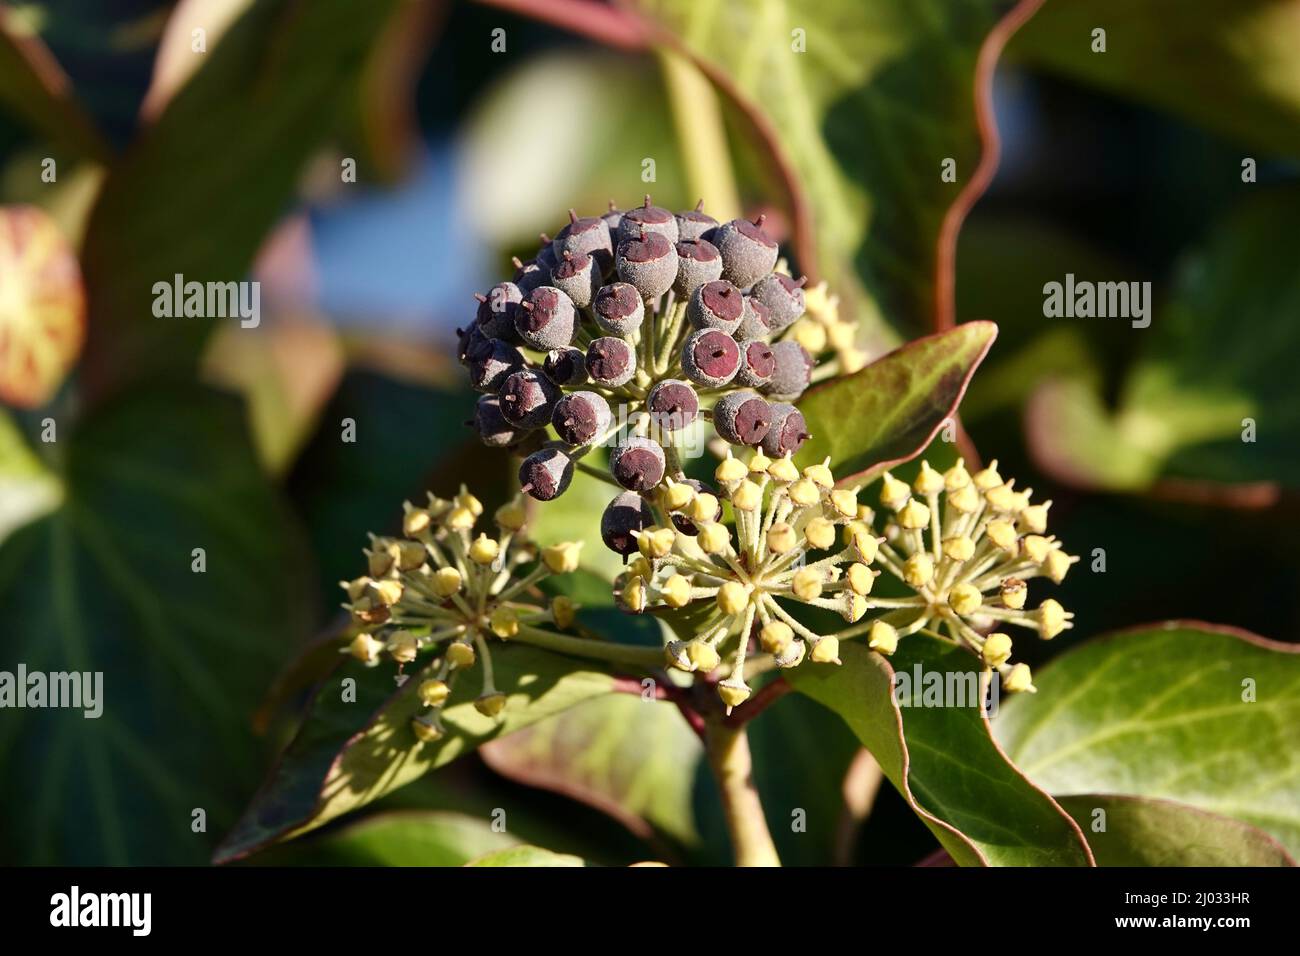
[(649, 657), (732, 766)]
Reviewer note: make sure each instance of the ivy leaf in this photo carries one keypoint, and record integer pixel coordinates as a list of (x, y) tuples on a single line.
[(107, 582), (1223, 64), (349, 753), (279, 75), (943, 759), (398, 838), (1140, 831), (527, 856), (1210, 398), (889, 411), (1178, 711)]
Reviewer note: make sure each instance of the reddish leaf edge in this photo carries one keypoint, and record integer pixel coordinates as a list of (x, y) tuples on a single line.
[(872, 471)]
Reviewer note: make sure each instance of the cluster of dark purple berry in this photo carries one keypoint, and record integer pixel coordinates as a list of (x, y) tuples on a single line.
[(627, 328)]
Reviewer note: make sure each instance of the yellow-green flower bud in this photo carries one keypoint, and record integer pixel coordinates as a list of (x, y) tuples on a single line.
[(775, 637), (633, 593), (792, 656), (562, 558), (733, 692), (356, 588), (759, 463), (415, 522), (853, 606), (781, 538), (996, 650), (860, 578), (676, 591), (433, 692), (883, 638), (804, 493), (965, 499), (1057, 564), (713, 538), (733, 597), (460, 654), (819, 532), (747, 497), (677, 495), (1037, 548), (703, 657), (365, 648), (411, 555), (928, 481), (959, 548), (783, 470), (894, 493), (563, 611), (845, 502), (704, 507), (965, 599), (918, 570), (820, 474), (956, 477), (446, 582), (386, 593), (490, 705), (1018, 679), (825, 651), (675, 656), (656, 543), (512, 516), (1034, 518), (403, 647), (1002, 498), (381, 560), (483, 550), (807, 584), (1003, 535), (811, 335), (1012, 593), (1051, 619), (863, 541), (730, 470), (504, 622), (989, 477), (424, 731), (914, 516), (459, 519)]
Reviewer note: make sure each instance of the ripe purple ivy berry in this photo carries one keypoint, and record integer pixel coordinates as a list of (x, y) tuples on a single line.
[(581, 417), (648, 219), (546, 474), (496, 311), (638, 464), (623, 517), (694, 223), (586, 236), (489, 368), (793, 370), (710, 358), (757, 364), (619, 309), (698, 262), (755, 322), (578, 277), (748, 253), (783, 297), (673, 404), (649, 263), (527, 399), (529, 275), (546, 318), (610, 362), (716, 305), (787, 433), (492, 426), (566, 366), (742, 418)]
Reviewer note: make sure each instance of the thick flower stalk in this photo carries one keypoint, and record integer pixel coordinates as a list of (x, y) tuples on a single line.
[(967, 545), (795, 539), (444, 589), (629, 329)]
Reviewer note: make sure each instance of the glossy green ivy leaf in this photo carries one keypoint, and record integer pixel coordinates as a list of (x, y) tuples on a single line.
[(943, 759), (1141, 831), (865, 99), (890, 411), (193, 198), (1210, 397), (527, 856), (635, 759), (1179, 711), (1225, 64), (349, 753), (187, 641), (399, 838)]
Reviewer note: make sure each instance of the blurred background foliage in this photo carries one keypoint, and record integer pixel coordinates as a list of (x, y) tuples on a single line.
[(178, 433)]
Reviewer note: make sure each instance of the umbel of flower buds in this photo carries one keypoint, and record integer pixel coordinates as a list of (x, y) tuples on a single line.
[(629, 328), (445, 592), (964, 545)]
